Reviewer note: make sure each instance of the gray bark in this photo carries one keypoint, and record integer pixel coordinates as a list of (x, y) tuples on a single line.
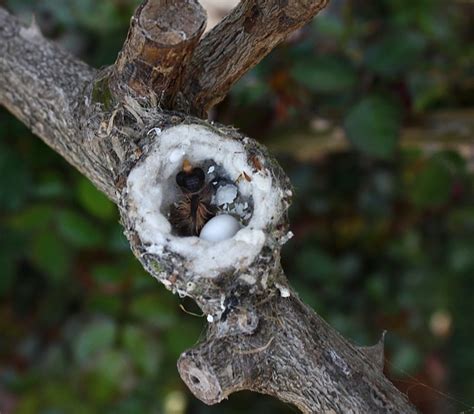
[(44, 86), (296, 357), (160, 42), (263, 337), (238, 43)]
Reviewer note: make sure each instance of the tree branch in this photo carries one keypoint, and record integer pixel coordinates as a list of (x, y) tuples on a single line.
[(161, 39), (261, 337), (237, 44), (43, 86), (294, 356)]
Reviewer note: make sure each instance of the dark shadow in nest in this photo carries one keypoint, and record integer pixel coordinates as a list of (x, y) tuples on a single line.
[(202, 191)]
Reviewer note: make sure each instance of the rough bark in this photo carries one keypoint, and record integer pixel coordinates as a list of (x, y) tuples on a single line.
[(296, 357), (237, 44), (262, 337), (162, 37), (43, 86)]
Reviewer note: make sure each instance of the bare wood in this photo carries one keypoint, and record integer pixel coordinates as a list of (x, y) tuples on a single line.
[(237, 44), (161, 39), (281, 347)]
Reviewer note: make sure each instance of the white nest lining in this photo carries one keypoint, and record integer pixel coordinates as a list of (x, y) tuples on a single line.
[(149, 183)]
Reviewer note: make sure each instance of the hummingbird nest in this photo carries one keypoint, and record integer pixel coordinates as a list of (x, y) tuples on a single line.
[(245, 183)]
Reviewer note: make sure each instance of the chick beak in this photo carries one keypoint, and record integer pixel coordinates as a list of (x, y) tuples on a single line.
[(187, 167)]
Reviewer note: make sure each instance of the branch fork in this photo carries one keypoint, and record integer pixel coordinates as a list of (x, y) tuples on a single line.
[(129, 127)]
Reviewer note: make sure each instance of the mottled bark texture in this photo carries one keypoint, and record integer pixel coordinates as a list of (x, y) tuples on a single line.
[(43, 86), (161, 39), (296, 357), (262, 337), (238, 43)]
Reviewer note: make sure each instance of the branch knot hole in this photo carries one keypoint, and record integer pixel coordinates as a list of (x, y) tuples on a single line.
[(200, 378)]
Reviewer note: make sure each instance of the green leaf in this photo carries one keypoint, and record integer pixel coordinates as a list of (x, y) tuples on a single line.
[(96, 337), (460, 258), (330, 25), (426, 91), (181, 336), (431, 186), (106, 305), (373, 125), (250, 89), (50, 185), (452, 161), (377, 287), (155, 310), (50, 255), (77, 230), (326, 75), (11, 247), (32, 218), (15, 180), (462, 218), (109, 376), (117, 242), (406, 359), (30, 403), (394, 53), (314, 264), (108, 273), (142, 349), (99, 17), (94, 201)]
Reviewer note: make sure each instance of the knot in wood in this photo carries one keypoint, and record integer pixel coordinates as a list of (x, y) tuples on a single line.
[(244, 321), (200, 378)]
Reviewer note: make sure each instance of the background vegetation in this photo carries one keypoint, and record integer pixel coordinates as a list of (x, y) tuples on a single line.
[(370, 109)]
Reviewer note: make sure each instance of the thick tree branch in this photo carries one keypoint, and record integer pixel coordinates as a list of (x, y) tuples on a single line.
[(261, 337), (43, 86), (295, 356), (237, 44)]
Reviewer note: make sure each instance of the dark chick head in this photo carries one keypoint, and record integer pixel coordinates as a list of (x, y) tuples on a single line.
[(190, 179)]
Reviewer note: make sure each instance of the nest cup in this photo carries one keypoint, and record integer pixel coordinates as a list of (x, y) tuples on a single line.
[(151, 190)]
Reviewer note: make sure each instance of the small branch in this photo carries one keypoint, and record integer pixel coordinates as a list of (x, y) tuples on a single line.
[(161, 39), (434, 131), (375, 354), (237, 44)]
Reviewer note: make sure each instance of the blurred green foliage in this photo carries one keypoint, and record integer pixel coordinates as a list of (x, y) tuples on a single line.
[(384, 235)]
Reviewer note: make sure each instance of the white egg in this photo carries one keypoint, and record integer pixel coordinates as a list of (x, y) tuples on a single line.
[(220, 228)]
